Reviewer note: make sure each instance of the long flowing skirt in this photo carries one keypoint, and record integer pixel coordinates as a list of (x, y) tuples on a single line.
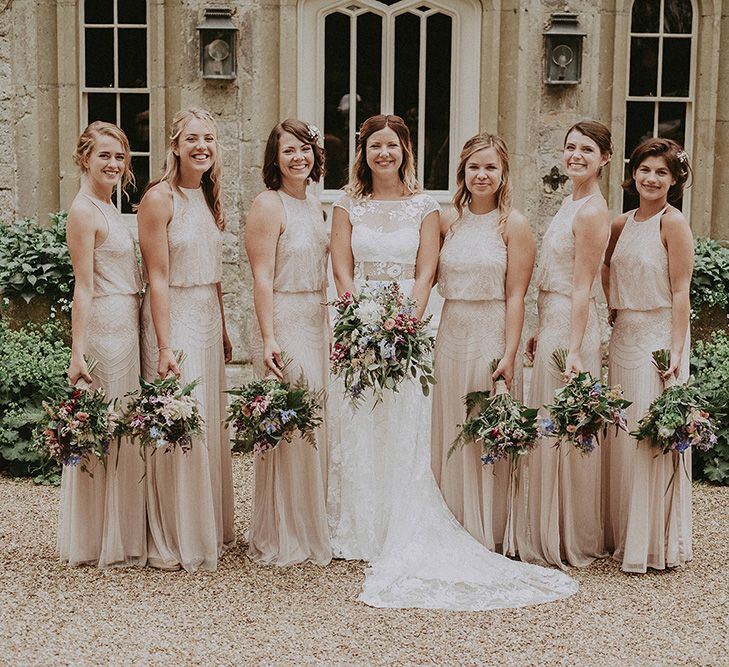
[(190, 496), (647, 495), (289, 523), (102, 518), (563, 521), (470, 336)]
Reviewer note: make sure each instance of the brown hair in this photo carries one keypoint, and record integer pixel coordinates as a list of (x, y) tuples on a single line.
[(360, 180), (676, 161), (305, 133), (477, 143), (87, 141), (598, 132), (211, 180)]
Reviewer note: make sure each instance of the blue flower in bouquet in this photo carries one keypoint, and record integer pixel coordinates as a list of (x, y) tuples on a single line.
[(269, 425), (73, 460), (488, 459), (154, 432), (545, 427), (587, 442), (596, 389), (286, 415), (356, 389)]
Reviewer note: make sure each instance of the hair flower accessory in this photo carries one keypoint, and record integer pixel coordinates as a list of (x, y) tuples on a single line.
[(682, 156), (314, 132)]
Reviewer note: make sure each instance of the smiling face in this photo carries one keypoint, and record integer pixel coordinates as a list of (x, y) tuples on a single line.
[(384, 152), (196, 147), (582, 157), (483, 173), (653, 178), (106, 161), (295, 158)]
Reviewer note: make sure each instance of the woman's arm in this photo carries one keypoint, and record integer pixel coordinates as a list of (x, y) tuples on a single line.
[(591, 228), (520, 252), (227, 345), (341, 248), (616, 228), (676, 235), (153, 216), (264, 225), (82, 230), (426, 262)]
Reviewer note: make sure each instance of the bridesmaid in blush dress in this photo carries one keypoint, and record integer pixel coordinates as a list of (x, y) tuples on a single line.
[(647, 276), (189, 496), (288, 247), (563, 522), (485, 266), (102, 518)]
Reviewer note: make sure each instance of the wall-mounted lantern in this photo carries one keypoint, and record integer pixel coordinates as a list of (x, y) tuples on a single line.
[(217, 44), (563, 49)]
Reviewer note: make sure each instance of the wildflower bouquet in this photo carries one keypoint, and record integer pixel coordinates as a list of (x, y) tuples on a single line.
[(676, 420), (582, 409), (266, 412), (378, 342), (77, 429), (161, 414)]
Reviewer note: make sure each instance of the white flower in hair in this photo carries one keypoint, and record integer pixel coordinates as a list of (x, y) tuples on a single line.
[(314, 132), (681, 155)]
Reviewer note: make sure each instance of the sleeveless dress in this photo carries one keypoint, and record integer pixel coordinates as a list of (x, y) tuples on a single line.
[(646, 526), (102, 518), (384, 504), (289, 523), (471, 279), (190, 496), (562, 495)]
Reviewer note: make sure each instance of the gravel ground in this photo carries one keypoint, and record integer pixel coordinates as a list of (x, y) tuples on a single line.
[(248, 614)]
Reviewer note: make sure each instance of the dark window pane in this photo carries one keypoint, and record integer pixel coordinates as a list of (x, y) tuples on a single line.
[(101, 106), (132, 58), (672, 121), (630, 200), (336, 99), (437, 101), (407, 71), (638, 124), (676, 67), (369, 65), (131, 11), (99, 59), (140, 167), (99, 11), (645, 16), (677, 16), (389, 2), (643, 66), (135, 119)]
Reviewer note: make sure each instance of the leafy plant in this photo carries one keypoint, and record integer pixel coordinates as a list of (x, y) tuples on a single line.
[(710, 280), (34, 260), (710, 366), (33, 365)]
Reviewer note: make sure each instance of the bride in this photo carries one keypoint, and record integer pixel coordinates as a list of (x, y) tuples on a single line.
[(384, 505)]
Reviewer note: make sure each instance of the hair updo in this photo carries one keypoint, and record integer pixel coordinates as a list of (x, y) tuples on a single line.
[(676, 161), (87, 141)]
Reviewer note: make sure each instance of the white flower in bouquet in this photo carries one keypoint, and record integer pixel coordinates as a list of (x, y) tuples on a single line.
[(370, 312)]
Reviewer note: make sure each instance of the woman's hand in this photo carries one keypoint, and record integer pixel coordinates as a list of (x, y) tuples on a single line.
[(227, 347), (531, 348), (573, 365), (504, 370), (167, 364), (272, 360), (78, 370), (673, 368)]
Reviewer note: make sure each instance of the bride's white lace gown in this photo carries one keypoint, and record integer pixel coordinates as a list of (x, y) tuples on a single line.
[(384, 505)]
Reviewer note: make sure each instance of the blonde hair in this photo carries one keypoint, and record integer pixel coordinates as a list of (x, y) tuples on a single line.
[(211, 180), (463, 197), (360, 180), (87, 141)]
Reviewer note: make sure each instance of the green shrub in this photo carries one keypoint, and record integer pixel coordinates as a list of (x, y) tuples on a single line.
[(33, 366), (710, 366), (710, 280), (34, 260)]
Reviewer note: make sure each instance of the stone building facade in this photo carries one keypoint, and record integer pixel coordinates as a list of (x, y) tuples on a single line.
[(451, 67)]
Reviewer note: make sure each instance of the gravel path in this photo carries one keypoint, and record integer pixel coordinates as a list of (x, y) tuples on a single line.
[(248, 614)]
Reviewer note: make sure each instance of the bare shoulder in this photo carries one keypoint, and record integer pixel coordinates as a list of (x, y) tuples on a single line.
[(83, 215), (674, 220), (266, 203), (517, 221), (157, 202), (618, 222), (595, 209), (447, 218)]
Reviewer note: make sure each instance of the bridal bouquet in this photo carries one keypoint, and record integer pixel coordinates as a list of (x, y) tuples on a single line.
[(77, 428), (378, 342), (502, 425), (583, 408), (268, 411), (676, 419), (161, 414)]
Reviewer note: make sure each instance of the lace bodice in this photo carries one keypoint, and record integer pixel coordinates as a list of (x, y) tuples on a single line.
[(472, 263), (303, 248), (639, 267), (387, 232), (194, 240), (557, 256), (116, 270)]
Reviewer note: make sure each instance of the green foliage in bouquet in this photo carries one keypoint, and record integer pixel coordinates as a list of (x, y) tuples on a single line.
[(33, 366), (710, 278), (34, 260), (710, 368)]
